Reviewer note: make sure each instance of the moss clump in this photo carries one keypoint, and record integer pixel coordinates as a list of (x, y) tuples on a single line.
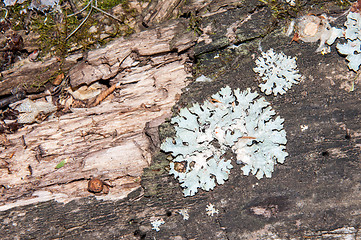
[(108, 4), (281, 9), (51, 35), (194, 24), (55, 27), (17, 15)]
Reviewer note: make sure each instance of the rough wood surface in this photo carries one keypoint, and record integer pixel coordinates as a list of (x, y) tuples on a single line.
[(119, 59), (315, 194), (109, 140), (31, 76)]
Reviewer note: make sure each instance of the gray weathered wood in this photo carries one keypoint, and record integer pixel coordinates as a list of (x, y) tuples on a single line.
[(313, 195)]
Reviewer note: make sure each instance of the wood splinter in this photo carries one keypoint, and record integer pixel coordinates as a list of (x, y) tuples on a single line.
[(104, 94)]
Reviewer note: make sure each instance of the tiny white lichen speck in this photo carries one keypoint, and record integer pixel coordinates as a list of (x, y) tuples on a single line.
[(156, 224), (278, 72), (211, 210), (291, 2), (231, 120), (304, 127), (184, 213)]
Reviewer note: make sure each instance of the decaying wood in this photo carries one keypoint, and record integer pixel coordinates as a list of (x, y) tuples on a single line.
[(315, 194), (120, 56), (158, 11), (106, 141), (31, 76), (104, 94)]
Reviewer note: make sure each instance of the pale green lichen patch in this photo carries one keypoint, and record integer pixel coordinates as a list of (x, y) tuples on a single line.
[(278, 72), (353, 41), (230, 120)]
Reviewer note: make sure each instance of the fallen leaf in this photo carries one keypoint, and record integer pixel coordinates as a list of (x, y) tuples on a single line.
[(58, 79)]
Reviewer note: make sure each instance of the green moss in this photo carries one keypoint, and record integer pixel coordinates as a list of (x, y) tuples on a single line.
[(158, 169), (54, 75), (108, 4), (51, 36), (40, 82), (14, 13), (54, 27), (194, 24), (343, 3), (281, 9)]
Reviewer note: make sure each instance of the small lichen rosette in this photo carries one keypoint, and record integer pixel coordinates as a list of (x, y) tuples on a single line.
[(230, 120), (352, 48), (278, 72)]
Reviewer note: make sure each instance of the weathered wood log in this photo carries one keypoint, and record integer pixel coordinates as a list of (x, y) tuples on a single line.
[(121, 56), (313, 195), (107, 140), (32, 76)]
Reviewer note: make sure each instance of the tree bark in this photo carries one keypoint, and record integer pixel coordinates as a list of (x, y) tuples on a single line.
[(313, 195)]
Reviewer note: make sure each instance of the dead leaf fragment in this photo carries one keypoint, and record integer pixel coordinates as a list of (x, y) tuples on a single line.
[(58, 79)]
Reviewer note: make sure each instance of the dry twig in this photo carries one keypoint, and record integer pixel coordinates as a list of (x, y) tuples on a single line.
[(104, 94)]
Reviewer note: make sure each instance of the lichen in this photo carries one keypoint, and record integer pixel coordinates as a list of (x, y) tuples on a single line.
[(29, 110), (278, 72), (211, 210), (231, 120), (313, 28), (156, 224), (352, 47)]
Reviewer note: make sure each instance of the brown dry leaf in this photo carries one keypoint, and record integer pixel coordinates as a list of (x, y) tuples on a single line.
[(58, 79)]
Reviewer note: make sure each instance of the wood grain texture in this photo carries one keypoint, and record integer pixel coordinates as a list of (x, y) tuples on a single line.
[(108, 140)]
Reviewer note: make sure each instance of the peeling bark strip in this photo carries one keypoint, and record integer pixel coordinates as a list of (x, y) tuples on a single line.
[(108, 140), (123, 56), (29, 76)]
